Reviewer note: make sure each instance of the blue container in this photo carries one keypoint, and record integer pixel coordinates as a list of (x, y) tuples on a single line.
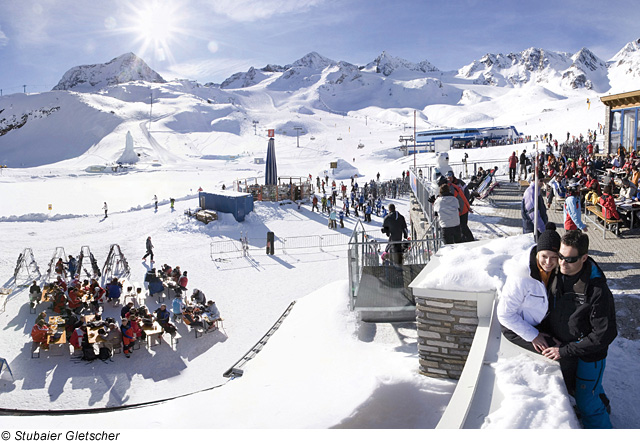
[(231, 202)]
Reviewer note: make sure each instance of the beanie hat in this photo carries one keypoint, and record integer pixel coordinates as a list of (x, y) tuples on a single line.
[(549, 240)]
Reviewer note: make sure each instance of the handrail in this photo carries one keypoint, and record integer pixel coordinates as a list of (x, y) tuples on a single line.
[(235, 370)]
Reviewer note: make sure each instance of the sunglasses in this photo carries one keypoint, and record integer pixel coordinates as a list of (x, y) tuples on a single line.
[(569, 259)]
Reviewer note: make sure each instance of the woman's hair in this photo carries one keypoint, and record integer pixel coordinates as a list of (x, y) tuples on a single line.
[(444, 190), (607, 190)]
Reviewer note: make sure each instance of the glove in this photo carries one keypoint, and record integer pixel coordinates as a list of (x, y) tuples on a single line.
[(431, 199)]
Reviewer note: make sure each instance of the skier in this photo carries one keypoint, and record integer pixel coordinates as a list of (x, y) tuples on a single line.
[(105, 209), (172, 200), (155, 201)]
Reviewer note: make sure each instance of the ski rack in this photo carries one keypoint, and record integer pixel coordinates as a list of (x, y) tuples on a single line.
[(27, 262), (59, 253), (116, 264), (95, 269), (236, 370)]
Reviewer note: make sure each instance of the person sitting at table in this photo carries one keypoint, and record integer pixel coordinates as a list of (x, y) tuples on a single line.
[(79, 334), (163, 316), (126, 309), (176, 273), (212, 310), (635, 175), (128, 337), (592, 182), (557, 188), (192, 319), (75, 300), (114, 290), (608, 204), (165, 271), (40, 333), (198, 297), (113, 336), (35, 294), (59, 301), (177, 306), (134, 320), (61, 284), (628, 190), (154, 283), (99, 298)]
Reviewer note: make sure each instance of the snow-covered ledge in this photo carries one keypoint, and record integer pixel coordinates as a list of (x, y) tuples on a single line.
[(454, 296)]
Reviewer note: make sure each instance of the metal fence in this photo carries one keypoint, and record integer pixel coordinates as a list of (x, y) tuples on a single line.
[(389, 289)]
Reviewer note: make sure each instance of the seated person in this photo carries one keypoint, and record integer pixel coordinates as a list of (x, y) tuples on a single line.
[(182, 282), (192, 319), (59, 301), (628, 190), (177, 306), (75, 300), (114, 290), (35, 294), (113, 337), (198, 297), (154, 283), (99, 298), (176, 273), (212, 310), (608, 203), (163, 316), (126, 309), (61, 284), (78, 336), (40, 333), (136, 327)]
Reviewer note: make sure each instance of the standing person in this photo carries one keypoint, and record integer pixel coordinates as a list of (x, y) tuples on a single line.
[(149, 246), (395, 226), (572, 209), (465, 207), (172, 201), (446, 208), (582, 318), (105, 208), (128, 337), (523, 302), (315, 203), (528, 209), (523, 164), (155, 201), (513, 162)]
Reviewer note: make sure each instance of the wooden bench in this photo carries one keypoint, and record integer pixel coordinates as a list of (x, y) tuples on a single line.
[(522, 185), (607, 224)]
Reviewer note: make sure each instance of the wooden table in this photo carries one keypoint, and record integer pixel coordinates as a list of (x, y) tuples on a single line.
[(154, 333)]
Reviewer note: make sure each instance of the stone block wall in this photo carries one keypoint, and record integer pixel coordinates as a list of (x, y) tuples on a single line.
[(445, 333)]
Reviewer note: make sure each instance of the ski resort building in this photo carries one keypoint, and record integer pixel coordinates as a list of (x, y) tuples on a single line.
[(621, 121)]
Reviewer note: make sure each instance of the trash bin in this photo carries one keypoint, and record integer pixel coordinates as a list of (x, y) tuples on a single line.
[(270, 242)]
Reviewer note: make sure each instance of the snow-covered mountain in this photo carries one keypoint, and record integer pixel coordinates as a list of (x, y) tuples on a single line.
[(126, 68), (110, 99), (547, 68)]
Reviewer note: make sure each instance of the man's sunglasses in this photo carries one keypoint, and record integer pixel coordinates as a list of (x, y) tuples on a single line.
[(569, 259)]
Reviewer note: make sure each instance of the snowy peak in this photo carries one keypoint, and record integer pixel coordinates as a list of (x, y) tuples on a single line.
[(627, 61), (385, 64), (126, 68), (312, 60), (538, 66)]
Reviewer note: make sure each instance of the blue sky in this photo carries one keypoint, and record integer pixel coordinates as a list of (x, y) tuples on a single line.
[(208, 40)]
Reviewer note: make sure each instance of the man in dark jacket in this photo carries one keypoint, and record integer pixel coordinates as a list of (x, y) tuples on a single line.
[(582, 318), (395, 227)]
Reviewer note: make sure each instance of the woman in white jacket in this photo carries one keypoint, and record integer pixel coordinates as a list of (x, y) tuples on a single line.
[(447, 208), (523, 302)]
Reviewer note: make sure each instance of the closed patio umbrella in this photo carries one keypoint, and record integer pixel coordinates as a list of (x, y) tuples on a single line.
[(271, 170)]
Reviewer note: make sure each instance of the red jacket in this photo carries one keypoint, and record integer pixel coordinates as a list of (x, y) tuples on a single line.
[(609, 210), (459, 194), (513, 161), (39, 333)]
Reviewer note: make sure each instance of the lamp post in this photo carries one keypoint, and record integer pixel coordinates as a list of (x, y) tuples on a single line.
[(297, 129), (255, 122)]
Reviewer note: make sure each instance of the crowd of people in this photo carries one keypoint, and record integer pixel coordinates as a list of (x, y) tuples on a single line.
[(604, 180), (77, 307)]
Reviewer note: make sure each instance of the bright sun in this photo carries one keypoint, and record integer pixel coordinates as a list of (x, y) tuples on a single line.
[(156, 25)]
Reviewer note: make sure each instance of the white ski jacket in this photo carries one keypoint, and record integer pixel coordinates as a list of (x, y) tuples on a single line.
[(523, 301)]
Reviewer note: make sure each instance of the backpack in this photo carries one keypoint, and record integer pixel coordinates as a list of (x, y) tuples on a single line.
[(88, 353), (104, 354)]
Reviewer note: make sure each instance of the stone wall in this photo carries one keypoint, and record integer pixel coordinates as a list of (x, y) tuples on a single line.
[(445, 333)]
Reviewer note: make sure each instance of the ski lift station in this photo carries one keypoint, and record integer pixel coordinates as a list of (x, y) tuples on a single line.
[(438, 140), (231, 202)]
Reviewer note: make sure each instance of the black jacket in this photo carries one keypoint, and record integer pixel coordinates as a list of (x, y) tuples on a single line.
[(395, 226), (583, 316)]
